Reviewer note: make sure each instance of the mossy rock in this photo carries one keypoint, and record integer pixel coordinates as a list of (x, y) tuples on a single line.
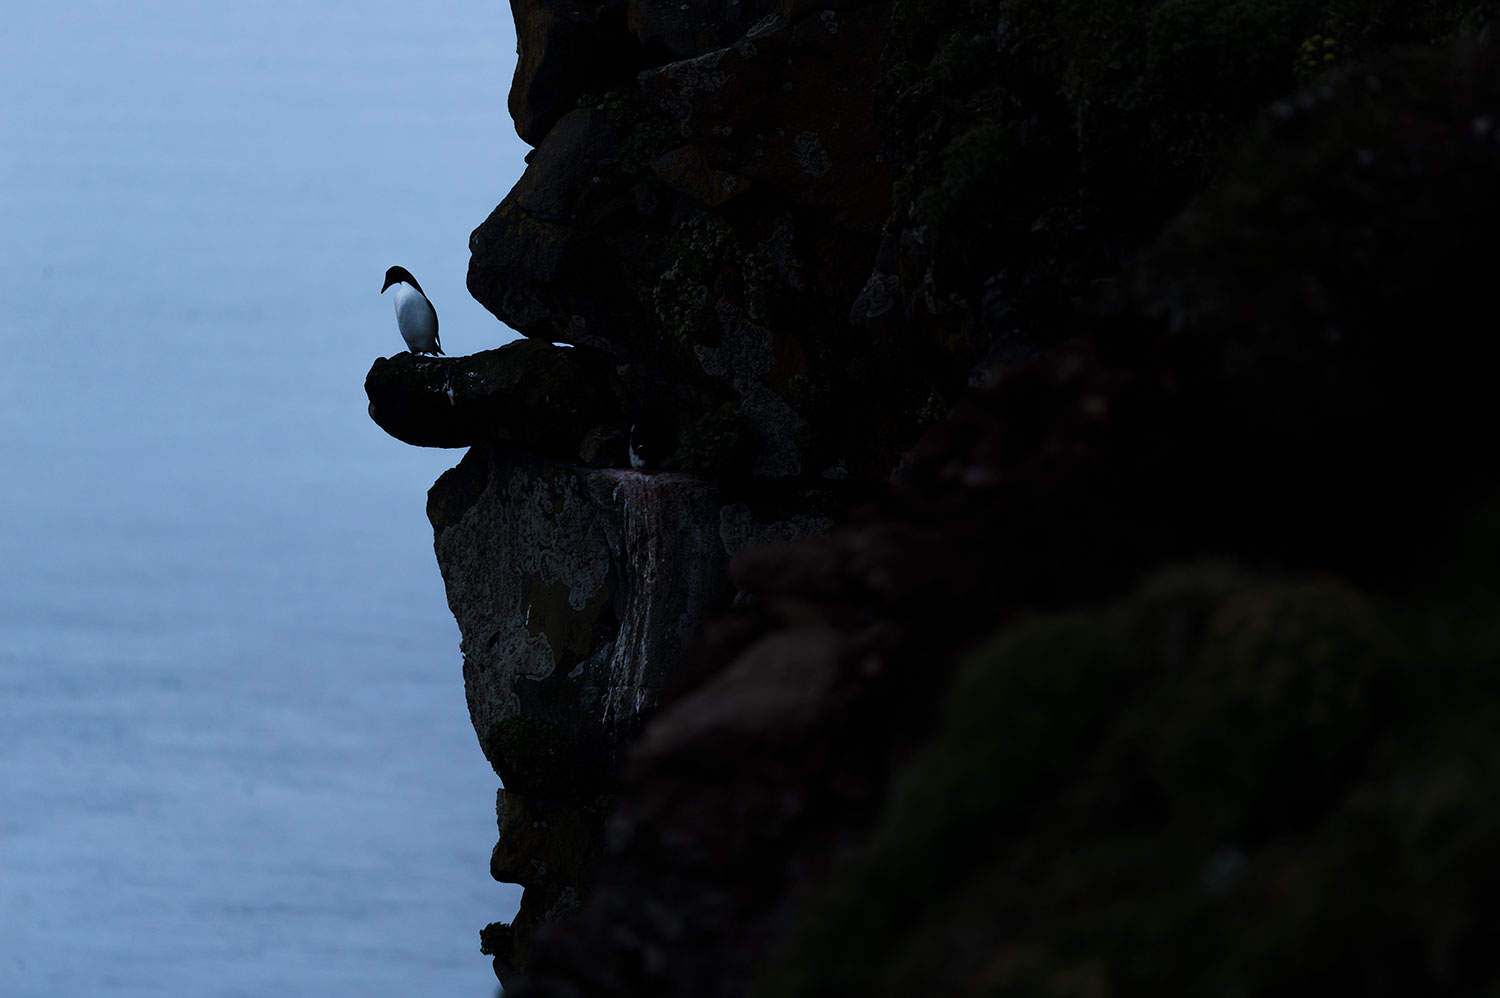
[(1221, 785), (1276, 710), (1021, 714), (719, 445), (977, 167), (1043, 141), (708, 257), (1221, 56), (495, 939), (645, 133), (534, 757)]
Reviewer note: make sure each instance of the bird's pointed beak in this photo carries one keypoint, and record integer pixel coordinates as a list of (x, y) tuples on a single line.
[(387, 284)]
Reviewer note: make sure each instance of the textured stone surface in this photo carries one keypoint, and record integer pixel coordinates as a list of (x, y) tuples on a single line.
[(605, 241), (1209, 758), (937, 195), (742, 527), (689, 29), (533, 394), (565, 50), (788, 105), (573, 587), (542, 843), (526, 257), (574, 590), (686, 171)]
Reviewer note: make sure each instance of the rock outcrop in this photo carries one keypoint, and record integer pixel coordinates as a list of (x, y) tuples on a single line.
[(576, 590), (546, 397), (1146, 336)]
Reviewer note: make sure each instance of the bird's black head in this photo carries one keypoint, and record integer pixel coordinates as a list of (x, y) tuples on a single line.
[(398, 274)]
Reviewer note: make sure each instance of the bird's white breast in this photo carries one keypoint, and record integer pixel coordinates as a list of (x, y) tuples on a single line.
[(415, 318)]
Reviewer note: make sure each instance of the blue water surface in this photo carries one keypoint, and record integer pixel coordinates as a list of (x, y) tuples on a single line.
[(234, 753)]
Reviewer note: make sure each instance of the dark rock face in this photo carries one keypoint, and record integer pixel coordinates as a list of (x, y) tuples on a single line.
[(697, 28), (1181, 756), (526, 256), (959, 747), (566, 51), (703, 222), (575, 590), (530, 393), (578, 586), (788, 105), (550, 847)]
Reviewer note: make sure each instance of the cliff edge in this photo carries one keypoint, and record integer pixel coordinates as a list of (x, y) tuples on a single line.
[(1067, 560)]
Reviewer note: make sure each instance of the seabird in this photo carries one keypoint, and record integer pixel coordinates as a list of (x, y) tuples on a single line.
[(415, 316)]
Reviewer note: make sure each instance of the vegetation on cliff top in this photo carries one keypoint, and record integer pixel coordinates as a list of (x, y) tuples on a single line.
[(1224, 784)]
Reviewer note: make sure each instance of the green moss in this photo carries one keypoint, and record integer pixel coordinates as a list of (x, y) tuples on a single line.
[(645, 132), (718, 445), (532, 756), (762, 289), (1366, 25), (685, 295), (1020, 715), (933, 408), (1315, 55), (685, 307), (1277, 708), (1227, 56), (810, 394), (1222, 785), (495, 939), (964, 60), (976, 166)]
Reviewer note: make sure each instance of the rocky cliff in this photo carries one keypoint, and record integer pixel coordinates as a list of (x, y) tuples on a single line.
[(1066, 559)]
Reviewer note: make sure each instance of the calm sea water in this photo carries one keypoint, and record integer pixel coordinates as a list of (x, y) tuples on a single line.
[(234, 754)]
